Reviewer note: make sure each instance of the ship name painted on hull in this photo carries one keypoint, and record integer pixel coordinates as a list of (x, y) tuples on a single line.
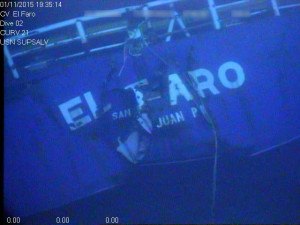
[(230, 74)]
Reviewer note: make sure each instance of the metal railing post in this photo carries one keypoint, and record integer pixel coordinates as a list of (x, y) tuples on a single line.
[(11, 63), (214, 14), (146, 12), (275, 7), (170, 29), (181, 24), (81, 31)]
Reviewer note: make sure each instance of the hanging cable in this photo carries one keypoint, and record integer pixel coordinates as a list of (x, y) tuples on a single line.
[(202, 107), (125, 57), (210, 120)]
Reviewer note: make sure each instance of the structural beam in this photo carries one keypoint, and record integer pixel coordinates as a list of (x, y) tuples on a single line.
[(289, 6), (176, 18), (182, 25), (231, 4)]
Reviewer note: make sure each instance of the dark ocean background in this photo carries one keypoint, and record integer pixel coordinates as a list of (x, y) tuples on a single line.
[(264, 189)]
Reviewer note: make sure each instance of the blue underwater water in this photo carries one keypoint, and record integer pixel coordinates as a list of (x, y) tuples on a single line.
[(260, 191)]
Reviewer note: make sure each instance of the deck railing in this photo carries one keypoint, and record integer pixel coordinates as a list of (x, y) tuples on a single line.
[(88, 28)]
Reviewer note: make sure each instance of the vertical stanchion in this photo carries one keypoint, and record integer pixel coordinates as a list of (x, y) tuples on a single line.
[(176, 18), (170, 29), (181, 24), (147, 17), (81, 31), (11, 63), (275, 7), (214, 14)]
